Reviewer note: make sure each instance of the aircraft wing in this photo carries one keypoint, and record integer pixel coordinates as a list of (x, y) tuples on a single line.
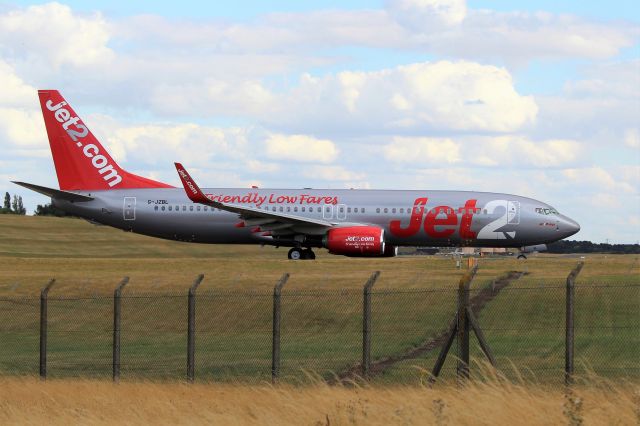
[(253, 216)]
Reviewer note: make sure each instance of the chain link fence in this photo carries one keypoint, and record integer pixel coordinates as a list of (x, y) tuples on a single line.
[(322, 333)]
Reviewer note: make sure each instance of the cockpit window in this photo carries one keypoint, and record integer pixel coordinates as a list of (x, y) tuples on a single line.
[(546, 211)]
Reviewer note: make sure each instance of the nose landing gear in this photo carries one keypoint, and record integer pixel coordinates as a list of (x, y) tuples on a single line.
[(298, 253)]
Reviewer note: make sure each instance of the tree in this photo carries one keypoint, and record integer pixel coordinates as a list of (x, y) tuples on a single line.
[(14, 204), (21, 210), (48, 210), (7, 201)]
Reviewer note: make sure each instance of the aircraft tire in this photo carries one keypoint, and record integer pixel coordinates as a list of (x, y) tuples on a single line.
[(308, 254), (295, 254), (522, 256)]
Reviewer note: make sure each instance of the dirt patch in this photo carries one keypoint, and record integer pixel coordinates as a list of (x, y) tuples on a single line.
[(477, 303)]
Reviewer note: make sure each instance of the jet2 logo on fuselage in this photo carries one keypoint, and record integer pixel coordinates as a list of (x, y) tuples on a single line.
[(442, 221)]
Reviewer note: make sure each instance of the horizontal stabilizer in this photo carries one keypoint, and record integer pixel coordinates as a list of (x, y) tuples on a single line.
[(55, 193)]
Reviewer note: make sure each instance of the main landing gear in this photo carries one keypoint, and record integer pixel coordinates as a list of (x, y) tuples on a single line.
[(298, 253)]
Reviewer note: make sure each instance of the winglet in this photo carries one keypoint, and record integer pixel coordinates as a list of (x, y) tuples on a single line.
[(190, 187)]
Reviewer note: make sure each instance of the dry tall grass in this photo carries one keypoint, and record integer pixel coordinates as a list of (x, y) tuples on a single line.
[(28, 401)]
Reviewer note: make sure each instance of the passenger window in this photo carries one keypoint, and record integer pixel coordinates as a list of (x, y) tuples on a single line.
[(206, 208), (401, 210), (393, 210), (156, 208), (362, 210), (295, 209), (281, 209), (348, 210), (386, 210), (288, 209), (170, 208), (162, 208), (273, 209), (311, 209), (378, 210), (184, 208), (191, 208), (355, 210), (303, 209), (198, 208)]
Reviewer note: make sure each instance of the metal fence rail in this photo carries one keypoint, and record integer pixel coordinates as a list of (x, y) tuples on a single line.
[(550, 333)]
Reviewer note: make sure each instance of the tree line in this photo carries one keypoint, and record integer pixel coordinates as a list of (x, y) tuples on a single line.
[(567, 246), (13, 207)]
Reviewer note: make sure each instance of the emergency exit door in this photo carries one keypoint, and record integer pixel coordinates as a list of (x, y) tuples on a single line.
[(129, 209)]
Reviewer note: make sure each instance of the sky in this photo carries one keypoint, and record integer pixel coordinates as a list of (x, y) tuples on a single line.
[(536, 98)]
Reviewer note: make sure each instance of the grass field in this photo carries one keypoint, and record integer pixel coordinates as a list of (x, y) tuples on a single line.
[(63, 402), (322, 304)]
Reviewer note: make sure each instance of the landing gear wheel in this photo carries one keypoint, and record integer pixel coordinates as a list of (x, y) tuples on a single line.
[(308, 254), (295, 254), (522, 256)]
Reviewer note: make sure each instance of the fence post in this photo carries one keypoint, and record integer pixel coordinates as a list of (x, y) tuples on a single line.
[(116, 328), (43, 328), (191, 328), (569, 331), (463, 324), (366, 324), (275, 348)]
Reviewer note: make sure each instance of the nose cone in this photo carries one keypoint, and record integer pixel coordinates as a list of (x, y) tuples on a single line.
[(568, 226)]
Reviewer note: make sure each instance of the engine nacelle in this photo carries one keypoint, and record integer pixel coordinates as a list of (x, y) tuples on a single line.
[(356, 241)]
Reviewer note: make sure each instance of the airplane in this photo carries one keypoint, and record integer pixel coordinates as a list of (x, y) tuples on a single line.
[(348, 222)]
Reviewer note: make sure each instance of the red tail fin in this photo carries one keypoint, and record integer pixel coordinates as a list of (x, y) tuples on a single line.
[(81, 161)]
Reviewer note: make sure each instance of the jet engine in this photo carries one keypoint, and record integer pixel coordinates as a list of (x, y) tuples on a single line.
[(358, 241)]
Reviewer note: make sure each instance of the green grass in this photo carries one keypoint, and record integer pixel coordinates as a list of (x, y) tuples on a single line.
[(413, 300)]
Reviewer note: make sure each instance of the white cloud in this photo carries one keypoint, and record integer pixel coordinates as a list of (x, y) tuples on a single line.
[(518, 37), (53, 31), (600, 108), (423, 151), (427, 15), (598, 178), (499, 151), (632, 138), (22, 128), (164, 143), (212, 96), (15, 92), (332, 173), (462, 96), (512, 150), (257, 166), (444, 26), (300, 148)]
